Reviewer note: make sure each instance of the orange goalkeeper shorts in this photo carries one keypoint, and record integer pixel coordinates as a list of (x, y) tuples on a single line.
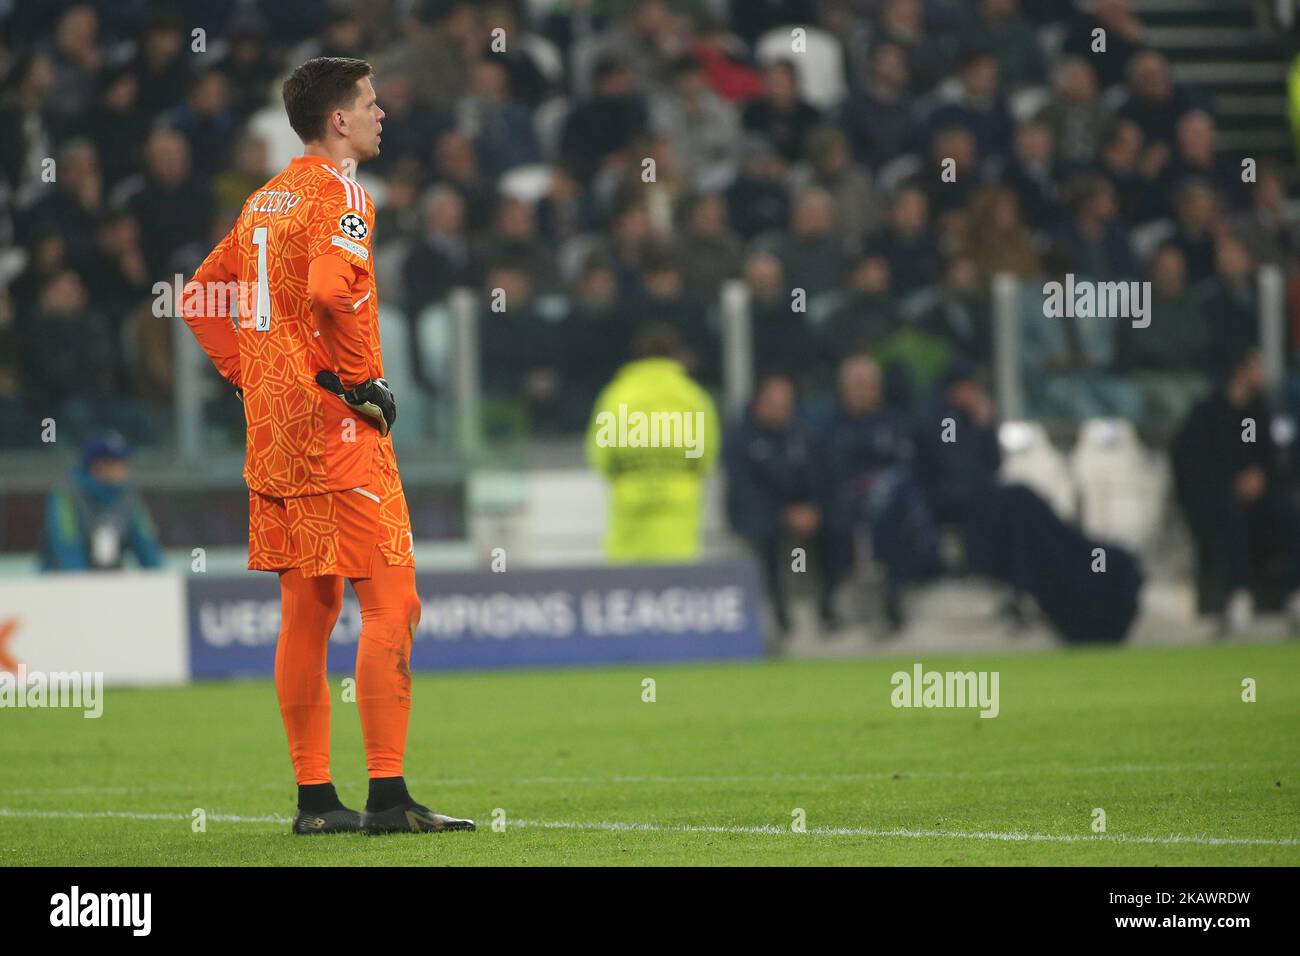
[(335, 532)]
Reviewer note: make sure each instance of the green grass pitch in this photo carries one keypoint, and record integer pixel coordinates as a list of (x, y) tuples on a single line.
[(711, 772)]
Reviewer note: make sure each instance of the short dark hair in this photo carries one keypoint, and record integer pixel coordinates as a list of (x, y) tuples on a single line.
[(316, 88), (656, 340)]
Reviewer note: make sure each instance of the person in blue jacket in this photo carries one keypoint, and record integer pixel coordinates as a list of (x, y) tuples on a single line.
[(773, 498), (95, 518), (871, 494)]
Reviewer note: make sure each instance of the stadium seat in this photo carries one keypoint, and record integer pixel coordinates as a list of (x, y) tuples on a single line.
[(1029, 458), (1122, 487), (820, 69), (526, 183)]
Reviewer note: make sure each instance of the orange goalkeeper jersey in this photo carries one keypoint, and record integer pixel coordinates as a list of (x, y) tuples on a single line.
[(299, 265)]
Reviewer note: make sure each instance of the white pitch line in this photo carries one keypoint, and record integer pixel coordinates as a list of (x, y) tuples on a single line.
[(767, 830), (133, 815), (1011, 837)]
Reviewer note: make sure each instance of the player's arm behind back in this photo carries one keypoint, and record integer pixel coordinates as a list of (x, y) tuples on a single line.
[(214, 287)]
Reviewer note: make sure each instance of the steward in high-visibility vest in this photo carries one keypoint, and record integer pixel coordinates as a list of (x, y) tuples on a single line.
[(655, 436)]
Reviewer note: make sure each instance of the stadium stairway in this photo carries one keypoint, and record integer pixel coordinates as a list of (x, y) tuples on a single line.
[(1220, 49)]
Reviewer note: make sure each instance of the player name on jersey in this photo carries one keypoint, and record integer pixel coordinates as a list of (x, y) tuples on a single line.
[(274, 200)]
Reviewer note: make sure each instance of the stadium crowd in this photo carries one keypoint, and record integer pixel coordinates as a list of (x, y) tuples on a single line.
[(514, 159), (598, 166)]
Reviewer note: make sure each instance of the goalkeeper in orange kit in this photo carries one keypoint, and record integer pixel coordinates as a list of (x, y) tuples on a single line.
[(325, 500)]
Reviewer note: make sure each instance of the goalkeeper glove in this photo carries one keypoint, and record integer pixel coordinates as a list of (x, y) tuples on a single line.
[(372, 397)]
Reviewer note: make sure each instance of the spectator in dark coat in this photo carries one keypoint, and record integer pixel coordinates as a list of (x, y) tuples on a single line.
[(1123, 32), (866, 453), (879, 118), (1231, 475), (773, 497), (781, 116), (607, 124)]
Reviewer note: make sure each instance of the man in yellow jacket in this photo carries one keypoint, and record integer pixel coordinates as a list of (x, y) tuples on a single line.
[(654, 434)]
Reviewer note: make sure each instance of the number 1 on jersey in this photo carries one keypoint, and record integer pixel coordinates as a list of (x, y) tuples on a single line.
[(263, 316)]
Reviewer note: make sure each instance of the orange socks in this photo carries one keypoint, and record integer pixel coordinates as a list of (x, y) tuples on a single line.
[(390, 610), (308, 609)]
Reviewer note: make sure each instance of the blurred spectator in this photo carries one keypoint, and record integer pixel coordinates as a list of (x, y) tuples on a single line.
[(96, 518), (605, 125), (1075, 114), (456, 164), (661, 299), (656, 488), (410, 125), (597, 333), (954, 173), (1268, 227), (246, 174), (514, 242), (868, 312), (645, 42), (858, 207), (115, 273), (870, 492), (1034, 173), (930, 58), (27, 118), (77, 61), (1166, 360), (961, 314), (1139, 198), (76, 200), (171, 200), (1231, 296), (907, 243), (440, 259), (501, 128), (1094, 240), (773, 494), (119, 127), (207, 123), (979, 106), (703, 128), (250, 69), (520, 359), (1013, 41), (524, 82), (812, 252), (781, 116), (759, 199), (160, 65), (1231, 471), (1199, 219), (999, 241), (783, 339), (1069, 370), (1197, 157), (710, 252), (1154, 103), (1122, 32), (879, 117), (67, 347)]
